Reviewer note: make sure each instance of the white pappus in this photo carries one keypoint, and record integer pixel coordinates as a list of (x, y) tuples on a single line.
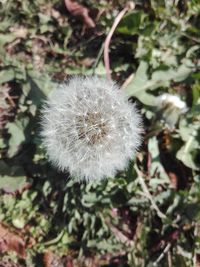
[(89, 128), (174, 100)]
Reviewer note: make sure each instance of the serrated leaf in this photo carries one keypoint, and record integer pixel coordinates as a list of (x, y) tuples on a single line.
[(163, 77), (160, 78)]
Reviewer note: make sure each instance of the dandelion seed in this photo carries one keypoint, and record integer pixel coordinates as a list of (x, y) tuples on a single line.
[(90, 129)]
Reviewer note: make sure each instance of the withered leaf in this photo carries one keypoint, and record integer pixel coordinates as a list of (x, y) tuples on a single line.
[(51, 260), (9, 263), (11, 241), (80, 11)]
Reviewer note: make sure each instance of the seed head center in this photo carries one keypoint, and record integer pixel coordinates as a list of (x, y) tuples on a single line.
[(91, 128)]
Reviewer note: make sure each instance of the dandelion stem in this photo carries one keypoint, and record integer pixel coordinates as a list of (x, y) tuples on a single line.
[(130, 5)]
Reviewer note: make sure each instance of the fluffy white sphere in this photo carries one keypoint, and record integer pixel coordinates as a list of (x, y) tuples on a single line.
[(89, 128), (173, 100)]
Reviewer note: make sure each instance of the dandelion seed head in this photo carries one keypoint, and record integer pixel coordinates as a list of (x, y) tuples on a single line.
[(89, 128), (174, 100), (171, 107)]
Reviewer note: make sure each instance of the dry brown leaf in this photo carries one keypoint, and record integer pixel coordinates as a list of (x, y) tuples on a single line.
[(197, 256), (80, 11), (8, 263), (51, 260), (87, 62), (173, 179), (11, 241), (69, 263), (19, 31)]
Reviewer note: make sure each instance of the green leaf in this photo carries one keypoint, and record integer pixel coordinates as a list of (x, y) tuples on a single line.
[(55, 240), (156, 165), (18, 222), (6, 38), (89, 200), (187, 154), (44, 18), (195, 94), (12, 178), (130, 23), (41, 86), (137, 86), (163, 77), (12, 184), (6, 75), (160, 78), (17, 137), (187, 129), (189, 132)]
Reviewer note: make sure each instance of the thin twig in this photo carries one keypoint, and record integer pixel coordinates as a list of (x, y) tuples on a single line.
[(119, 235), (196, 261), (149, 196), (191, 38), (130, 5), (169, 258), (128, 81), (167, 248), (9, 99)]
